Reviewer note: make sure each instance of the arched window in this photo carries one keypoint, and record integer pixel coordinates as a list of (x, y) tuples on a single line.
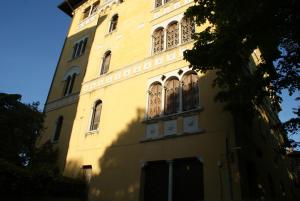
[(158, 40), (172, 35), (69, 84), (113, 23), (172, 96), (58, 127), (187, 30), (154, 101), (158, 3), (105, 62), (96, 115), (190, 91)]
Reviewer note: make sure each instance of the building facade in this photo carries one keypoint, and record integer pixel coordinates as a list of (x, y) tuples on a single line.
[(128, 114)]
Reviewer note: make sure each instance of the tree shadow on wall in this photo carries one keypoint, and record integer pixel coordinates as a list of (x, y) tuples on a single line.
[(119, 177)]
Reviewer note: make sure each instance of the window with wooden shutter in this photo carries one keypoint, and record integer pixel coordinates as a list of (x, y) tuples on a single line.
[(96, 115), (172, 96), (105, 63), (158, 40), (187, 30), (172, 35), (58, 127), (154, 101), (190, 91)]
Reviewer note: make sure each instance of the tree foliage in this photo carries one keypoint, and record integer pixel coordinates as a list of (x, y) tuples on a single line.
[(20, 126), (234, 29)]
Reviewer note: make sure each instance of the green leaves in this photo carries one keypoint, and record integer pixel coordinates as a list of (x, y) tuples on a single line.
[(237, 28)]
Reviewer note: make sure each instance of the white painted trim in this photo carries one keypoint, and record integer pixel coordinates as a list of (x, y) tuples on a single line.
[(70, 72), (165, 23)]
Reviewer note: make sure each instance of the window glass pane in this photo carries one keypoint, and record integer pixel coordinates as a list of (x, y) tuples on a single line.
[(74, 50), (84, 45), (114, 22), (72, 83), (86, 12), (87, 173), (95, 7), (58, 128), (158, 3), (67, 85), (105, 63), (156, 181), (96, 116), (188, 180)]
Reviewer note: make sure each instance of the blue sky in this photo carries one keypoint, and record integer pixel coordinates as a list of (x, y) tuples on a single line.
[(32, 35)]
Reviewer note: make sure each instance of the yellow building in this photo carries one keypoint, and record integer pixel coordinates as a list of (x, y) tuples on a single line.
[(126, 112)]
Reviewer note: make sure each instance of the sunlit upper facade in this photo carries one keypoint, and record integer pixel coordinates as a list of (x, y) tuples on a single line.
[(128, 114)]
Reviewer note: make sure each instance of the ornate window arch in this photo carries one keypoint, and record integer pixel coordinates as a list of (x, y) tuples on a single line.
[(172, 98), (190, 91), (58, 127), (187, 29), (95, 121), (105, 62), (154, 100), (69, 79), (113, 23), (172, 34), (158, 40)]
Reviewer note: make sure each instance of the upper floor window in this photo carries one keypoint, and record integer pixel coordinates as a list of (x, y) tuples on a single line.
[(79, 48), (69, 79), (190, 91), (158, 40), (105, 63), (69, 84), (113, 23), (172, 96), (187, 30), (96, 115), (90, 10), (154, 101), (158, 3), (58, 127), (172, 35)]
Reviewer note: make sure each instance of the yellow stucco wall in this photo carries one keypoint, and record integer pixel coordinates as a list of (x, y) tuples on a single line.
[(117, 151)]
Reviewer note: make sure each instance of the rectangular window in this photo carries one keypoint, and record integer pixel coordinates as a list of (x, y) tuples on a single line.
[(176, 180), (79, 48), (90, 10), (87, 173)]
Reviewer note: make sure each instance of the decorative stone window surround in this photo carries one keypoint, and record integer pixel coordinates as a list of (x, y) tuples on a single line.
[(168, 7), (161, 123), (81, 50), (164, 25), (164, 4), (104, 5), (158, 79)]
